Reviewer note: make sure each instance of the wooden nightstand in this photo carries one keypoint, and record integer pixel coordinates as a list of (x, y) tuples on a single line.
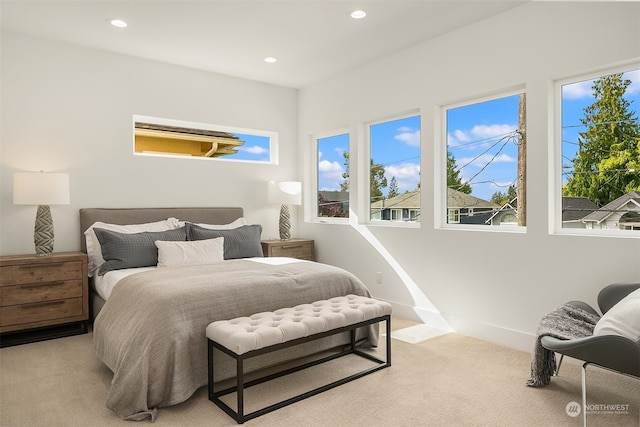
[(43, 297), (294, 248)]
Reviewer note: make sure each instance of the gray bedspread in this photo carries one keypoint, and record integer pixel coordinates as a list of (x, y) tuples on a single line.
[(151, 331)]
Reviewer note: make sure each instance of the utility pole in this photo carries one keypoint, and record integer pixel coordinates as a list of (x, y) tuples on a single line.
[(522, 160)]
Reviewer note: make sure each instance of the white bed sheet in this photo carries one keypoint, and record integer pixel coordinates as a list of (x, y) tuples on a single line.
[(104, 284)]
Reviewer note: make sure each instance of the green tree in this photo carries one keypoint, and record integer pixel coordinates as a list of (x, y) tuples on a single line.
[(393, 188), (378, 181), (606, 164), (454, 180), (344, 185), (500, 198)]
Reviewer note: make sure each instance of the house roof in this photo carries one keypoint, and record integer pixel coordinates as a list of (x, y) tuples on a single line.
[(576, 208), (458, 199), (616, 206), (408, 200), (455, 200)]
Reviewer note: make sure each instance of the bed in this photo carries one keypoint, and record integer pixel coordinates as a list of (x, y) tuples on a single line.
[(149, 323)]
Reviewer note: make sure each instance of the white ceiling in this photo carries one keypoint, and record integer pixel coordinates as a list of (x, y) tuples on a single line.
[(313, 40)]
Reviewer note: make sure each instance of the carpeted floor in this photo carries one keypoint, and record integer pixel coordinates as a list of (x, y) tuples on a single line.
[(448, 380)]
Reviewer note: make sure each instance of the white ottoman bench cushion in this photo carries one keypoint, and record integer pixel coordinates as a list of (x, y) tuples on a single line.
[(244, 334)]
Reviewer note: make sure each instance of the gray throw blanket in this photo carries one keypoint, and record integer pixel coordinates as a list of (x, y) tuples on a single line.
[(566, 322)]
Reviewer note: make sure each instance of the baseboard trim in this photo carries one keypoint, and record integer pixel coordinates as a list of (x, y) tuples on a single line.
[(487, 332)]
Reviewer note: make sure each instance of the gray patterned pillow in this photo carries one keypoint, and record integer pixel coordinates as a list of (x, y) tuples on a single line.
[(241, 242), (121, 250)]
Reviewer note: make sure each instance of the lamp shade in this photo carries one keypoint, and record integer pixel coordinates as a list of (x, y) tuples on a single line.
[(40, 188), (285, 193)]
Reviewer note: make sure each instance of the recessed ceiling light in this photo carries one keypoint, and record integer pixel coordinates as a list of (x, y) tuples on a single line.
[(358, 14), (118, 23), (270, 59)]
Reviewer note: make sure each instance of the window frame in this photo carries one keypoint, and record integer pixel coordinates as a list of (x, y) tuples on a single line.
[(273, 139), (442, 213), (365, 165), (555, 156), (314, 182)]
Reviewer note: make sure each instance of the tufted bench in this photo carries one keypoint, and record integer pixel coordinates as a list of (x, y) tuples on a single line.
[(246, 337)]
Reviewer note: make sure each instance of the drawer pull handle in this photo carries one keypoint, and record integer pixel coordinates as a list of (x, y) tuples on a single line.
[(40, 285), (290, 246), (53, 264), (41, 303)]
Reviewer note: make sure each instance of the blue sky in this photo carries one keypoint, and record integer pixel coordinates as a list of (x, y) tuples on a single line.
[(255, 148), (475, 136)]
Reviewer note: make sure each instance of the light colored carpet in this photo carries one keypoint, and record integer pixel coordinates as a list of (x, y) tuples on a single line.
[(449, 380)]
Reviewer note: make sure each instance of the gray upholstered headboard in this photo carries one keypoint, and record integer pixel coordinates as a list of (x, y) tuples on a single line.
[(215, 215)]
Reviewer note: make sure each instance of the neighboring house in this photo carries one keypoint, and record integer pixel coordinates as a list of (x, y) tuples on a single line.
[(462, 208), (580, 212), (333, 204), (622, 214), (574, 209), (506, 215), (405, 207)]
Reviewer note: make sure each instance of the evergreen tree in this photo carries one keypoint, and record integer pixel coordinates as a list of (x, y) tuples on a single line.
[(393, 188), (454, 180), (500, 198), (606, 164)]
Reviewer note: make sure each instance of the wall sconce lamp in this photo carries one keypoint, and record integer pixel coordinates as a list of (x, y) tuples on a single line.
[(285, 193), (42, 189)]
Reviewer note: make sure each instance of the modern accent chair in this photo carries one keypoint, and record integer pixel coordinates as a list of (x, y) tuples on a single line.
[(615, 353)]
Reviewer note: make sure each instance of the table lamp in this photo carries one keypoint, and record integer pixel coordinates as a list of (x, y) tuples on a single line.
[(285, 193), (41, 189)]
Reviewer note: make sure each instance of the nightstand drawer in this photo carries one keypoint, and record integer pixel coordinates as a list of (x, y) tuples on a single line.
[(40, 272), (40, 291), (42, 311), (292, 249)]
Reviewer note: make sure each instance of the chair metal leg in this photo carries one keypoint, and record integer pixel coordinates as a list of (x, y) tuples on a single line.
[(559, 364), (584, 394)]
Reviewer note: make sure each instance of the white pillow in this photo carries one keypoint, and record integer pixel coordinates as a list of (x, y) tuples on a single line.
[(94, 252), (235, 224), (189, 253), (622, 319)]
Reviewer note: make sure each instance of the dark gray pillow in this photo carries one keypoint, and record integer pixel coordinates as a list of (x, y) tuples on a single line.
[(121, 250), (241, 242)]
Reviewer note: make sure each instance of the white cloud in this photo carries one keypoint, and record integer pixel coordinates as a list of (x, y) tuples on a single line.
[(634, 87), (256, 149), (407, 175), (330, 174), (478, 133), (484, 131), (578, 90), (411, 138), (484, 159)]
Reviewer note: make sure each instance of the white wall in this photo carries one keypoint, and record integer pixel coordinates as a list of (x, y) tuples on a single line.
[(69, 109), (494, 286)]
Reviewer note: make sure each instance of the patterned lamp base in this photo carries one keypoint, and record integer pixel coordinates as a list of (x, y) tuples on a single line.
[(43, 234), (285, 223)]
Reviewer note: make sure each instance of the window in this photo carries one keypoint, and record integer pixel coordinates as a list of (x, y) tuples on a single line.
[(486, 161), (333, 176), (600, 159), (394, 170), (174, 138)]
